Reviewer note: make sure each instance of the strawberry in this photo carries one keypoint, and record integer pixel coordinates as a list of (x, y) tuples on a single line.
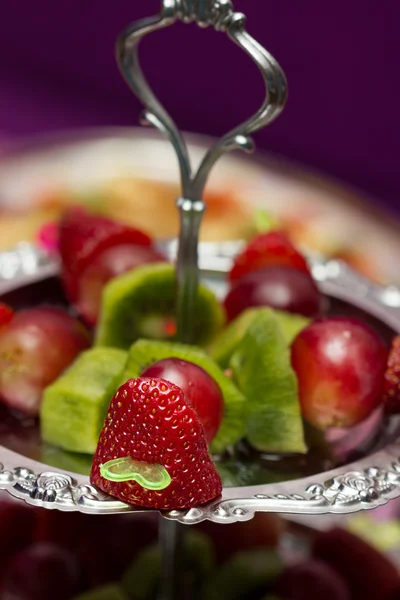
[(83, 237), (151, 421), (6, 314), (391, 389), (267, 249)]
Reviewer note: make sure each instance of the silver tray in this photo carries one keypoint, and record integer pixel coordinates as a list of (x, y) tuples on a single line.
[(366, 483)]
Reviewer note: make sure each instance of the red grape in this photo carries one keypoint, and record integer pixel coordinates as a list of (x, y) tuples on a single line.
[(110, 263), (203, 393), (272, 248), (367, 573), (124, 536), (283, 288), (36, 346), (312, 579), (42, 572), (17, 523), (391, 394), (263, 531), (340, 365), (83, 236)]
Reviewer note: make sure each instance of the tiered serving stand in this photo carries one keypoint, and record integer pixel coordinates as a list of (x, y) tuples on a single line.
[(371, 480)]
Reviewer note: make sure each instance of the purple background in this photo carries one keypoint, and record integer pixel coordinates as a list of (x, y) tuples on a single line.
[(342, 58)]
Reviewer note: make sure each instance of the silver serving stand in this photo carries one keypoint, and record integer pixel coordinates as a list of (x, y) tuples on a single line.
[(368, 483)]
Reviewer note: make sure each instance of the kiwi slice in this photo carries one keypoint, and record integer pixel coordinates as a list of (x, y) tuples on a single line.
[(74, 406), (197, 562), (111, 591), (262, 370), (244, 575), (144, 353), (228, 340), (141, 304)]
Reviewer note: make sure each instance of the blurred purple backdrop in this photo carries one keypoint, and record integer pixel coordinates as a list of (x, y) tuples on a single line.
[(342, 58)]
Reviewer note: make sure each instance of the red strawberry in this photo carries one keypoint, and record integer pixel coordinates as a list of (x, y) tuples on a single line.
[(391, 393), (84, 236), (267, 249), (6, 314), (151, 421)]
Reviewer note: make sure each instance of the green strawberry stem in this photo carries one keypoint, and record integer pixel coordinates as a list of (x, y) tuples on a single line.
[(187, 269)]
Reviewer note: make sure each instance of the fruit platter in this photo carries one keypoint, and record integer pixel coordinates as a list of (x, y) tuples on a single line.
[(205, 381), (268, 322)]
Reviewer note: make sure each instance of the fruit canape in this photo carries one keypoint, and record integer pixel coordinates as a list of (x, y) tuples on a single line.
[(157, 415)]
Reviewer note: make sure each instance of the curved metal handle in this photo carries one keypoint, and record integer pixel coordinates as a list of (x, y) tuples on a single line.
[(219, 14)]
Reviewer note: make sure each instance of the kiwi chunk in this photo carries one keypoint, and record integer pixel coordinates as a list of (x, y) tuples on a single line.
[(142, 304), (111, 591), (144, 575), (75, 405), (244, 575), (144, 353), (262, 370), (228, 340)]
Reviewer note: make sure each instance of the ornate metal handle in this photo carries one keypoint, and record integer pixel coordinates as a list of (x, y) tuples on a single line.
[(220, 14)]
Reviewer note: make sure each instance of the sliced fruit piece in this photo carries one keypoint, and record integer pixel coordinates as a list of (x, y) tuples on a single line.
[(261, 368), (35, 347), (264, 532), (283, 288), (75, 405), (230, 337), (6, 314), (83, 236), (265, 221), (142, 304), (150, 420), (144, 574), (198, 560), (39, 570), (105, 266), (48, 237), (246, 573), (17, 525), (144, 353), (125, 536), (111, 591), (267, 249), (202, 391), (367, 573), (391, 391), (384, 538), (340, 363), (312, 579)]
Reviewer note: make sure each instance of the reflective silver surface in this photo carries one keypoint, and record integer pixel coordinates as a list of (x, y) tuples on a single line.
[(365, 483), (221, 15)]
